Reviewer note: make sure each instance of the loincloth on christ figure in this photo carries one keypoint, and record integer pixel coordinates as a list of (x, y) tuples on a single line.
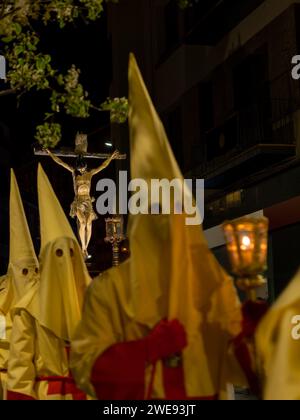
[(84, 206)]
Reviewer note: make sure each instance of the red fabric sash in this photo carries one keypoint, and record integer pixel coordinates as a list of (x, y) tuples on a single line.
[(17, 396), (119, 373), (62, 385), (244, 344), (174, 385), (57, 385)]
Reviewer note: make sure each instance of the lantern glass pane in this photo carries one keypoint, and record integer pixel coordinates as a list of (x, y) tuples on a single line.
[(247, 244), (110, 230)]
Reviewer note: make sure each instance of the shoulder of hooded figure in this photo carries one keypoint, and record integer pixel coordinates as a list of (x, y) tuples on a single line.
[(98, 290), (287, 303), (289, 297), (109, 284)]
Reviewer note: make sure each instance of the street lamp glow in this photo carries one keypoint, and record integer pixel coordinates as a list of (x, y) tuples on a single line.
[(108, 144)]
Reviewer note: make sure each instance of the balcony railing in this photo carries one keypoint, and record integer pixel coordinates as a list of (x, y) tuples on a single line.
[(266, 123)]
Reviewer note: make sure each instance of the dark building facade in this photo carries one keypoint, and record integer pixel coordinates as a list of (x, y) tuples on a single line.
[(220, 76)]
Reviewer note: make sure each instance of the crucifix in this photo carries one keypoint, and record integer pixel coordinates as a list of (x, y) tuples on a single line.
[(82, 206)]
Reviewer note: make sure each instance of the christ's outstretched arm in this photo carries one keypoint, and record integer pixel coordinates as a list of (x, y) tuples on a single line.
[(59, 161), (106, 163)]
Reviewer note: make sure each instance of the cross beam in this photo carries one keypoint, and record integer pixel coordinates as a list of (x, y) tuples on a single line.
[(71, 154)]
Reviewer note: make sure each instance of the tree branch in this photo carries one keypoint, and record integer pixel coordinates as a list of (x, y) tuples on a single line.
[(7, 92), (3, 8), (10, 13), (97, 109)]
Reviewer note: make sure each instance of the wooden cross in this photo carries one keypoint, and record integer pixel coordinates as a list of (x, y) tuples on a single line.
[(81, 144)]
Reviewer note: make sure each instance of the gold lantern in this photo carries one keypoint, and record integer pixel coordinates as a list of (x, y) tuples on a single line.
[(115, 235), (247, 246)]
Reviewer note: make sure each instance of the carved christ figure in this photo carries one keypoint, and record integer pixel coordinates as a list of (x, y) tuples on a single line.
[(82, 206)]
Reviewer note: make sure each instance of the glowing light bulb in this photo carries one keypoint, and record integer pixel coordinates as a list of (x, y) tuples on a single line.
[(246, 242)]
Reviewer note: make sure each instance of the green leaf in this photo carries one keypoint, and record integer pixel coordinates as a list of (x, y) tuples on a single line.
[(19, 49), (18, 28), (7, 39)]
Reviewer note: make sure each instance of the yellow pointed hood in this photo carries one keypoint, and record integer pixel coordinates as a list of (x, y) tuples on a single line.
[(23, 263), (64, 276), (151, 158), (173, 272), (53, 221), (21, 246)]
